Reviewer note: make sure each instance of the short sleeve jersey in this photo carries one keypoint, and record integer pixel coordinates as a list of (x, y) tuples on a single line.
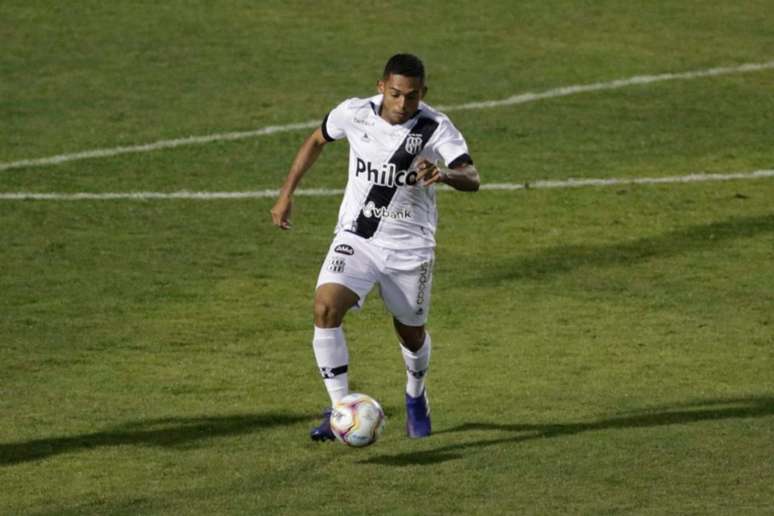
[(383, 201)]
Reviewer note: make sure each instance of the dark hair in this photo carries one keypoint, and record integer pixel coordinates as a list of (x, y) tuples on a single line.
[(404, 64)]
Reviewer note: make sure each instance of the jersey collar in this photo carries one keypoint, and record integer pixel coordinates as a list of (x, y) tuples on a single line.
[(376, 105)]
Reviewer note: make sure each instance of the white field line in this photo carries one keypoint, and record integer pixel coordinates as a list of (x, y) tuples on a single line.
[(149, 147), (515, 99), (266, 194), (612, 85)]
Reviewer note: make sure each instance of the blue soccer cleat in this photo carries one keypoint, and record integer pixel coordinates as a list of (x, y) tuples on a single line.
[(323, 431), (418, 415)]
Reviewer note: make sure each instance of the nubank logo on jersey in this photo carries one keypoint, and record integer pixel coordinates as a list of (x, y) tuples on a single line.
[(385, 175), (372, 210)]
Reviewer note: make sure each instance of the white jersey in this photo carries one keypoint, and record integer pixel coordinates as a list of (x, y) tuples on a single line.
[(383, 201)]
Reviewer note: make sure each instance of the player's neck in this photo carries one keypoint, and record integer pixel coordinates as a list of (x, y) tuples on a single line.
[(381, 108), (379, 112)]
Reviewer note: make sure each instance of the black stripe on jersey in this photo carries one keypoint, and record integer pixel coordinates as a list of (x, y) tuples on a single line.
[(325, 129), (381, 196), (465, 159)]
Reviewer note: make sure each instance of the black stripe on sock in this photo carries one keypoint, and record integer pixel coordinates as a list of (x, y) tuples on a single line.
[(417, 374), (330, 372)]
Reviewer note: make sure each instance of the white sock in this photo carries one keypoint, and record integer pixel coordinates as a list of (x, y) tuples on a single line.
[(417, 363), (330, 351)]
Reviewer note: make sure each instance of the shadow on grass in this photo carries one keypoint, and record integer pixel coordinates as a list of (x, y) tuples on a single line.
[(566, 258), (166, 432), (711, 410)]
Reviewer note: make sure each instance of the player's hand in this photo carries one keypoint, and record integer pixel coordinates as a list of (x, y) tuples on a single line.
[(428, 173), (280, 213)]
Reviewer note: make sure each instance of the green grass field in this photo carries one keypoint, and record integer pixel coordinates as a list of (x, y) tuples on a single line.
[(597, 350)]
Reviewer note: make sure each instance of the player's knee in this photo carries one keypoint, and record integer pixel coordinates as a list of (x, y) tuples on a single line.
[(413, 343), (326, 314), (412, 337)]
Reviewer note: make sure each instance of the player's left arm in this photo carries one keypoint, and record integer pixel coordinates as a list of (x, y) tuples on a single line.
[(463, 176)]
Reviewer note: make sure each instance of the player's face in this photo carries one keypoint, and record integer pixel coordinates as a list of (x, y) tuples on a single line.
[(401, 97)]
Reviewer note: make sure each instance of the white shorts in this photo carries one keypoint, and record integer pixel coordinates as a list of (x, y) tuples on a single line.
[(405, 278)]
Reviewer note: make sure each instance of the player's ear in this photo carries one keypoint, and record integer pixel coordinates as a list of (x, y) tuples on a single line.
[(424, 92), (380, 86)]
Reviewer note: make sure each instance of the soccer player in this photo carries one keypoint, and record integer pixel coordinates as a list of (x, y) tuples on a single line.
[(399, 149)]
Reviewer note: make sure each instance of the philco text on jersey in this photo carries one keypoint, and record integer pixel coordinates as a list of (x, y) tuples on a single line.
[(386, 174)]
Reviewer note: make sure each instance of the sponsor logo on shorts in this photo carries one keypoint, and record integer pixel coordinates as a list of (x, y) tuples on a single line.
[(344, 249), (424, 277), (371, 210), (336, 264)]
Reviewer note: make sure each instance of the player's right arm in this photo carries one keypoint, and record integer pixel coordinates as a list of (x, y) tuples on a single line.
[(305, 157)]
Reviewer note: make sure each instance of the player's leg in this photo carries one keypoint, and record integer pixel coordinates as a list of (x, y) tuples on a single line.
[(415, 346), (343, 283), (406, 293), (331, 303)]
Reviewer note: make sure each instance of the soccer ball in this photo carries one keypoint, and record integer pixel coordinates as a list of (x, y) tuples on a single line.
[(357, 420)]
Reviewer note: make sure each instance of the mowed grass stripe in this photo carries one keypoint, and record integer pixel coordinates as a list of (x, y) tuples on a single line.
[(488, 104), (323, 192)]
